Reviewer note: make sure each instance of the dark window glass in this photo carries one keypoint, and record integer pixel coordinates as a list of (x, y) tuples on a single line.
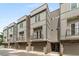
[(36, 18), (39, 17), (72, 29)]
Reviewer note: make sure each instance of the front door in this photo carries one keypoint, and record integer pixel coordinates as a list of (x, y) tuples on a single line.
[(55, 47)]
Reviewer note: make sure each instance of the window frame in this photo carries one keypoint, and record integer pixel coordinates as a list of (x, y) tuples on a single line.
[(21, 25), (74, 8)]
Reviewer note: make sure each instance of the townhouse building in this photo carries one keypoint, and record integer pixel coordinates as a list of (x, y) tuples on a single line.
[(5, 36), (23, 32), (43, 33), (54, 35), (69, 28), (38, 31), (12, 34)]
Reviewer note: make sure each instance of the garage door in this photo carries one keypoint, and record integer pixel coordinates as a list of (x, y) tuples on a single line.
[(71, 48), (38, 48)]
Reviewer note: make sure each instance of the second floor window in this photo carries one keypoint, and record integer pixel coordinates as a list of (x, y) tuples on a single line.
[(37, 18), (10, 29), (72, 29), (21, 25), (37, 33), (73, 5)]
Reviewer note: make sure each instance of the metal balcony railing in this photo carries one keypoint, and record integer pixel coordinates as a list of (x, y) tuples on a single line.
[(21, 38), (35, 37), (11, 40), (73, 32)]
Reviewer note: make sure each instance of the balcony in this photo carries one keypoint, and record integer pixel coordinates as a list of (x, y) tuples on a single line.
[(11, 40), (72, 35), (21, 39), (39, 38)]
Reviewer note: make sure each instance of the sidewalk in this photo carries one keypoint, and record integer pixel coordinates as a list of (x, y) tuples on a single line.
[(53, 54), (38, 53), (49, 54)]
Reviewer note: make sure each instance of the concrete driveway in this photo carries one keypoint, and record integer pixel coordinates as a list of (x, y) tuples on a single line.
[(14, 52)]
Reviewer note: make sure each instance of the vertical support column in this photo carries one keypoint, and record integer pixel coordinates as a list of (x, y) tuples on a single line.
[(8, 44), (15, 45), (48, 47), (29, 46), (61, 49)]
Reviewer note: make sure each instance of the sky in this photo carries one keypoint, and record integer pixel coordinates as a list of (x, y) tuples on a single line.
[(10, 12)]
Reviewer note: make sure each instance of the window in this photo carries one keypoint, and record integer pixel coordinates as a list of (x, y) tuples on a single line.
[(68, 32), (72, 29), (35, 35), (4, 37), (10, 36), (37, 18), (10, 29), (77, 28), (21, 35), (38, 33), (21, 25), (73, 5)]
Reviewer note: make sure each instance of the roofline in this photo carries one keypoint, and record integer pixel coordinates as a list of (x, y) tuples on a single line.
[(22, 20), (5, 28), (21, 17), (38, 7), (11, 25), (55, 10)]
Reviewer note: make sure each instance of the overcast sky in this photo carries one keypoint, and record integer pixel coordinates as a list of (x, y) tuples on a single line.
[(10, 12)]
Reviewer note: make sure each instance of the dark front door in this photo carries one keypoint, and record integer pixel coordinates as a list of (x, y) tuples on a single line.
[(55, 47)]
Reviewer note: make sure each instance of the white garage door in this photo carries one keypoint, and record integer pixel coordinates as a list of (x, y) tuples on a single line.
[(71, 48)]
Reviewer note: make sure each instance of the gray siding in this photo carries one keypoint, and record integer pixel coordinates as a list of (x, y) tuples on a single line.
[(42, 21), (54, 25)]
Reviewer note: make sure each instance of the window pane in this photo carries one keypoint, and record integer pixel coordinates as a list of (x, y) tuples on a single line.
[(21, 25), (73, 5), (39, 34), (39, 17), (72, 29), (35, 35), (36, 18), (76, 28)]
